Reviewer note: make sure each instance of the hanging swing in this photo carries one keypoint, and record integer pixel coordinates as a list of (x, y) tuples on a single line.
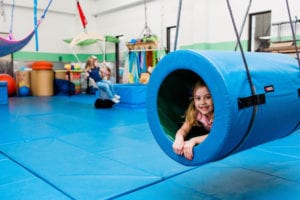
[(10, 45), (85, 38), (146, 40), (144, 52)]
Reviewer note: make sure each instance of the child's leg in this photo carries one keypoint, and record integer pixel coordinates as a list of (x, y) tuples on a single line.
[(105, 87), (112, 89)]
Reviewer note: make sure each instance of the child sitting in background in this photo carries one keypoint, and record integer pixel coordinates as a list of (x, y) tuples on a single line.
[(93, 71)]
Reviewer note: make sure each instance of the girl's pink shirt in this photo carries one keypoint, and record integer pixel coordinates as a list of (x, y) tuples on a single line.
[(204, 120)]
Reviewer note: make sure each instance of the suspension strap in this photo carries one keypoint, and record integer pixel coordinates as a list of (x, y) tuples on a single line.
[(2, 10), (35, 25), (37, 22), (46, 9), (177, 24), (252, 100), (244, 22), (146, 30), (293, 31), (12, 20)]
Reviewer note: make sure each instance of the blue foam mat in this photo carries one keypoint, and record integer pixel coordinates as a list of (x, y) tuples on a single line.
[(64, 148), (79, 173), (253, 174), (220, 181), (18, 183)]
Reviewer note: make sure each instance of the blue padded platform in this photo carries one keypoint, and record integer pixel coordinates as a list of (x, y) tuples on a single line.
[(132, 95)]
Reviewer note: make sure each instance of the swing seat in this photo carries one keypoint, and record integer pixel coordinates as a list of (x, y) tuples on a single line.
[(10, 46)]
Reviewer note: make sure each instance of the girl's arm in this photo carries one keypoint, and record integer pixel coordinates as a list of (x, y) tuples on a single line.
[(178, 145), (199, 139), (189, 145), (102, 72), (86, 73)]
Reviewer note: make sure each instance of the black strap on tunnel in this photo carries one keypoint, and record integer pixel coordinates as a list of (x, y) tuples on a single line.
[(252, 87), (251, 101)]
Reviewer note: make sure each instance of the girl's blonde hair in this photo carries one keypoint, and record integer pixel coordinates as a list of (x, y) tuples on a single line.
[(191, 112), (90, 62)]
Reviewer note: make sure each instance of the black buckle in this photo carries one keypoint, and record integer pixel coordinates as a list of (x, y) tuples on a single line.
[(251, 101)]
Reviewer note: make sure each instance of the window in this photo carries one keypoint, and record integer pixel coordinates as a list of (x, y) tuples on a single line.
[(171, 34), (259, 30)]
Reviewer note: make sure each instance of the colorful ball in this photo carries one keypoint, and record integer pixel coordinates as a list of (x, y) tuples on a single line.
[(24, 91), (11, 84), (133, 41)]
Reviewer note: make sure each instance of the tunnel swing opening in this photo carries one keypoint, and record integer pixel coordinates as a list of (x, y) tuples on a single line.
[(174, 96)]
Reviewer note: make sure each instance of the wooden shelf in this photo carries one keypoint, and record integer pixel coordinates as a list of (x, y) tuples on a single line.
[(282, 47), (142, 46)]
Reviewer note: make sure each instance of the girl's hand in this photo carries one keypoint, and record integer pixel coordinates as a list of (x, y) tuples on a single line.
[(86, 75), (178, 145), (188, 149), (190, 144)]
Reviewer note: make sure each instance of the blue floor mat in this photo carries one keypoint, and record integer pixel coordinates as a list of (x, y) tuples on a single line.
[(62, 148), (17, 182)]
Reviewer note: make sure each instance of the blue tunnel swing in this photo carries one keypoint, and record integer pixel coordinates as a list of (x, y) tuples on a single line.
[(241, 120)]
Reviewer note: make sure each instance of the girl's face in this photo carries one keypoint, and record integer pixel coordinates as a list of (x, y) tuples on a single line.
[(96, 63), (203, 101)]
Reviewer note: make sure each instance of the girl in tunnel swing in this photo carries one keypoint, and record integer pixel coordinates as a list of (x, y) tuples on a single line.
[(99, 76), (200, 113)]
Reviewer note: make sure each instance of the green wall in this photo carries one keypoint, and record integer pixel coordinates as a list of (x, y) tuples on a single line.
[(216, 46), (57, 57), (110, 57)]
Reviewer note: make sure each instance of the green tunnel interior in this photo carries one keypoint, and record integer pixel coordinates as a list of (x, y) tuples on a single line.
[(174, 96)]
